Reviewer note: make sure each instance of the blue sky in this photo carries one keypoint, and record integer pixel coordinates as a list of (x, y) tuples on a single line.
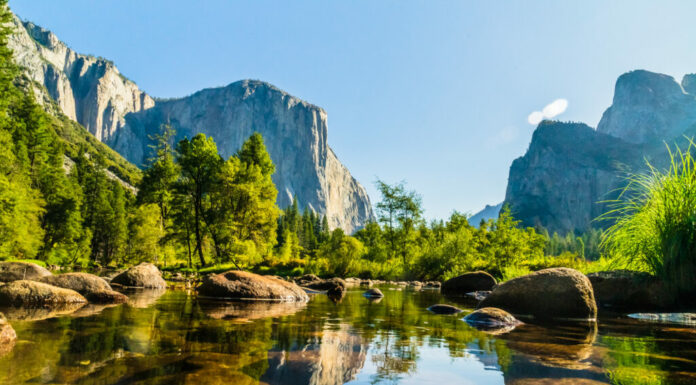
[(436, 93)]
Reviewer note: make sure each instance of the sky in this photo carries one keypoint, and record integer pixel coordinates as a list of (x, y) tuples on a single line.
[(443, 95)]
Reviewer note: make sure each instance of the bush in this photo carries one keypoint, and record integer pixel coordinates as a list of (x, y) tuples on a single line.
[(655, 223)]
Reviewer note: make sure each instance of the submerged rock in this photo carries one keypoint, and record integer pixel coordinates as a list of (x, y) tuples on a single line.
[(492, 320), (14, 271), (478, 295), (244, 285), (327, 284), (546, 294), (444, 309), (673, 318), (307, 279), (33, 313), (467, 283), (630, 291), (31, 293), (8, 337), (374, 293), (145, 275), (94, 288)]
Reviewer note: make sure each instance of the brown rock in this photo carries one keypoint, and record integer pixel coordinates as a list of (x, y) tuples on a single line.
[(546, 294), (31, 293), (630, 291), (244, 285), (14, 271), (467, 283), (94, 288), (144, 275), (492, 319)]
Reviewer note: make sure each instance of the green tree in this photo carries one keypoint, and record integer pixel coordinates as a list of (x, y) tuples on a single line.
[(200, 165)]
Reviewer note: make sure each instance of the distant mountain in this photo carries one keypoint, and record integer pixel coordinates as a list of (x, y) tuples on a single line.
[(570, 169), (488, 212), (92, 92)]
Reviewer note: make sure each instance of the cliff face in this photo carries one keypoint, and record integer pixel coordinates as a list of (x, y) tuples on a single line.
[(295, 133), (92, 92), (570, 168)]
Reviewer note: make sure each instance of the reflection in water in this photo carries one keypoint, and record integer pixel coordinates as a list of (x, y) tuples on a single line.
[(249, 310), (333, 357), (39, 313), (173, 338), (142, 298)]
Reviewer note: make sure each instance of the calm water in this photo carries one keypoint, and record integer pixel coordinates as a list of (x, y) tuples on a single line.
[(173, 338)]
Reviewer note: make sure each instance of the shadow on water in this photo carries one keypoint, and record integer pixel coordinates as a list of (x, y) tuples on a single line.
[(171, 337)]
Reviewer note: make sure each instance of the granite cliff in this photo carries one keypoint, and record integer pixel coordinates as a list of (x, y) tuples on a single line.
[(92, 92), (571, 169)]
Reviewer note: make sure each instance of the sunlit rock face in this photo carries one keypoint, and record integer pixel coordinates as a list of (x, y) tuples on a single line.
[(93, 92), (334, 357), (570, 169)]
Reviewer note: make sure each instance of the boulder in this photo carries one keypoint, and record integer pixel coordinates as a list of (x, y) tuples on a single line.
[(630, 291), (145, 275), (94, 288), (327, 284), (467, 283), (8, 337), (433, 284), (31, 293), (306, 279), (546, 294), (374, 293), (14, 271), (492, 319), (444, 309), (244, 285)]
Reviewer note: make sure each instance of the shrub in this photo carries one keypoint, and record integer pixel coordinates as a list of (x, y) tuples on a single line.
[(655, 222)]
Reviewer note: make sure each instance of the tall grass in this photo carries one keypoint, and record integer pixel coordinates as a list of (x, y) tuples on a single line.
[(654, 226)]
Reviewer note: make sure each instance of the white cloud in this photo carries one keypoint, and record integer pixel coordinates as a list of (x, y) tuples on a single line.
[(550, 111)]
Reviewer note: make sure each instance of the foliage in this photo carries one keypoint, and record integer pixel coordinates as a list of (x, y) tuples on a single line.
[(655, 222)]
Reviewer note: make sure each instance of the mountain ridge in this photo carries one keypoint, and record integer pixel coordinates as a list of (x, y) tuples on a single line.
[(91, 91)]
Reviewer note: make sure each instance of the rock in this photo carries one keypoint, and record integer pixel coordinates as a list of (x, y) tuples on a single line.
[(492, 319), (478, 295), (94, 288), (336, 293), (366, 283), (8, 337), (31, 293), (688, 319), (546, 294), (14, 271), (307, 279), (374, 293), (630, 291), (144, 275), (444, 309), (467, 283), (433, 284), (92, 92), (327, 284), (243, 285)]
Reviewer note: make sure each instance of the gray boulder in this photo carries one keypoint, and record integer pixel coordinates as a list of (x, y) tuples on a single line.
[(94, 288), (144, 275), (14, 271)]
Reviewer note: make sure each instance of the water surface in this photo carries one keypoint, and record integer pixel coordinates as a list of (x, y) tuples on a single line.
[(171, 337)]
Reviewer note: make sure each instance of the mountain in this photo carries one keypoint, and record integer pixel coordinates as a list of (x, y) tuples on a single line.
[(570, 170), (488, 212), (91, 91)]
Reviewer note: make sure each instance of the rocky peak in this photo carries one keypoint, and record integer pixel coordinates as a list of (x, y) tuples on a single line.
[(689, 84), (648, 106)]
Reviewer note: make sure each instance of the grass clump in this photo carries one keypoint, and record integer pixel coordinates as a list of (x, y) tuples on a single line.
[(654, 219)]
